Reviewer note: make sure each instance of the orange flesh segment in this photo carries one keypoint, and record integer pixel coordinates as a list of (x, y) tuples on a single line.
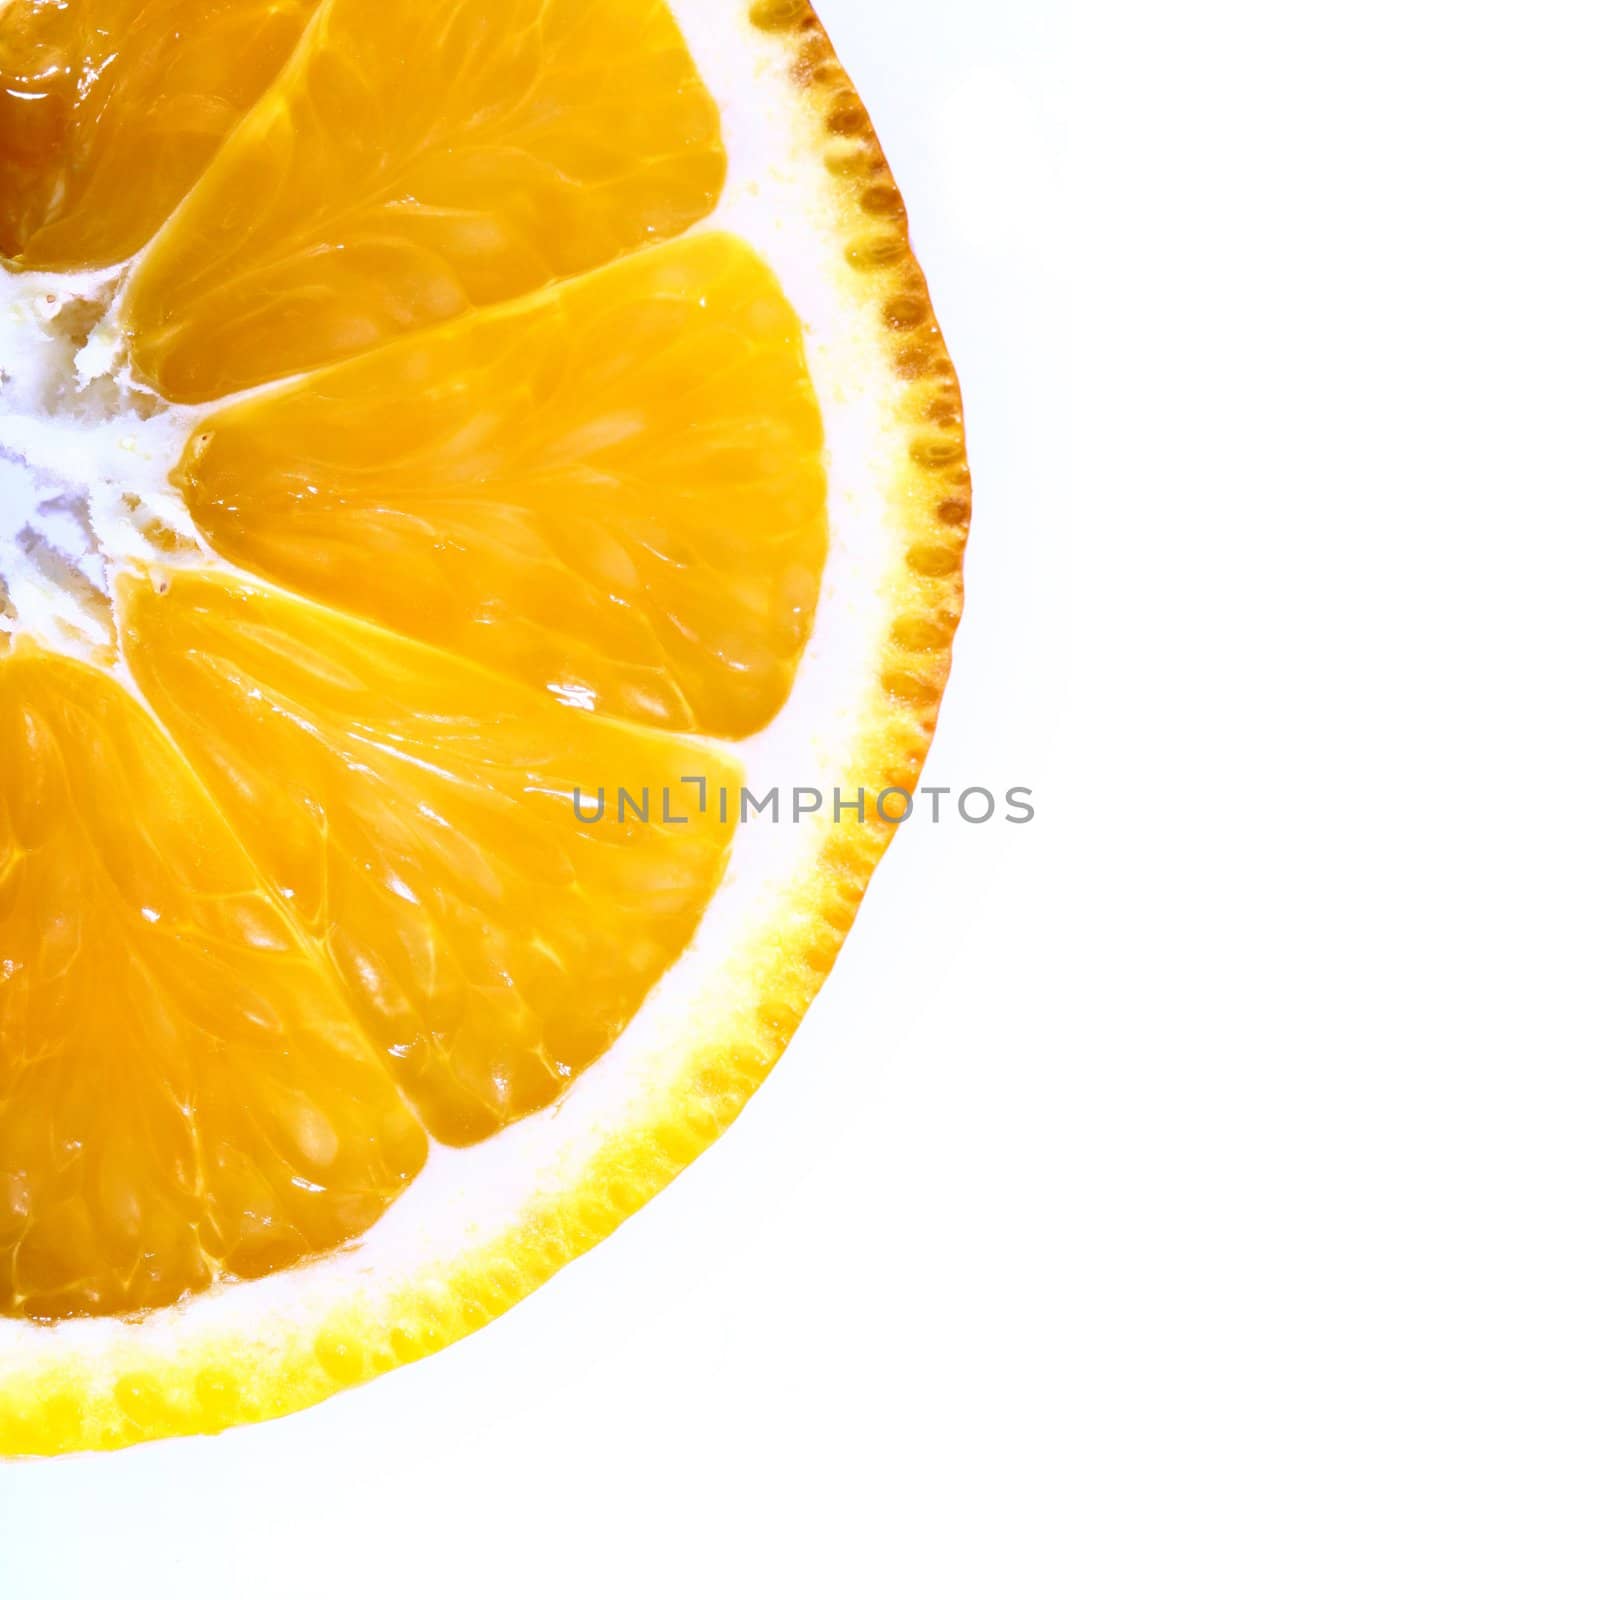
[(182, 1092), (110, 109), (615, 489), (418, 815), (417, 160)]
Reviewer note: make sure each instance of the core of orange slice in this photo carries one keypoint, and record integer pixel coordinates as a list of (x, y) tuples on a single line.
[(462, 470)]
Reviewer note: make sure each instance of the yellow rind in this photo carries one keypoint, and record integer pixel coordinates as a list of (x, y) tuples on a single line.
[(58, 1402)]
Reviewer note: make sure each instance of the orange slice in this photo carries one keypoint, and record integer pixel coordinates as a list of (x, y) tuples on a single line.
[(465, 472)]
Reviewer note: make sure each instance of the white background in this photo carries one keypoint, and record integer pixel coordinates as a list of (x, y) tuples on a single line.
[(1198, 1191)]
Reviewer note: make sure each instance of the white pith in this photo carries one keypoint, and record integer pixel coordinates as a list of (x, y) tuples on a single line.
[(84, 460), (93, 448)]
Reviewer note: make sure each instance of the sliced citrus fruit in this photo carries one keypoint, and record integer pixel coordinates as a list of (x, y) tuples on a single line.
[(465, 472)]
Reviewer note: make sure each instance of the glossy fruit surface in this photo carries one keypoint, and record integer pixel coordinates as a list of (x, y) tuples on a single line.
[(467, 452)]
